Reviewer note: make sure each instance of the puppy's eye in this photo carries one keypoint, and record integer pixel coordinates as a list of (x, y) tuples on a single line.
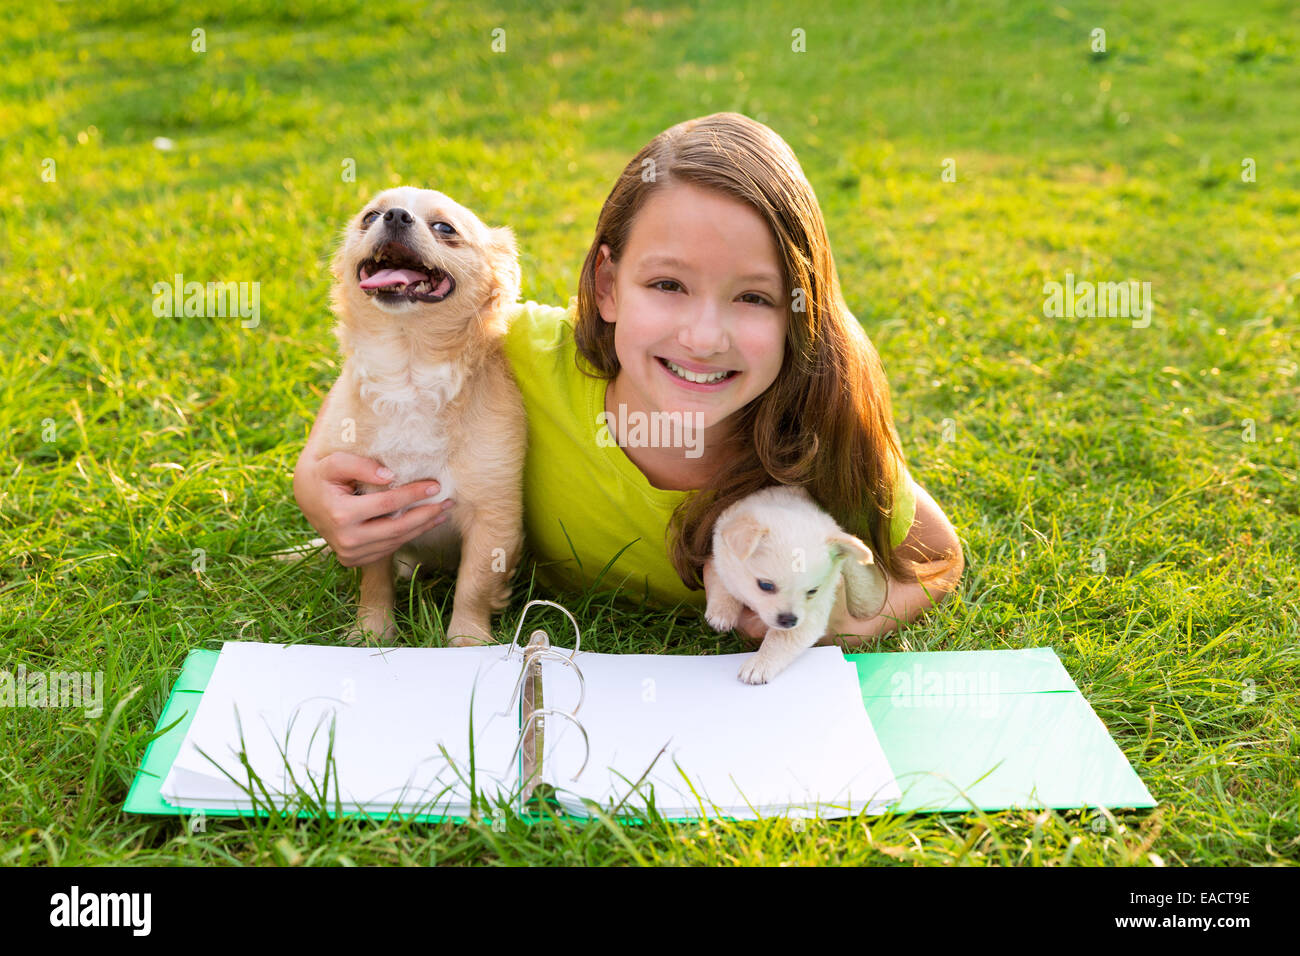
[(812, 592), (766, 585), (442, 228), (369, 217)]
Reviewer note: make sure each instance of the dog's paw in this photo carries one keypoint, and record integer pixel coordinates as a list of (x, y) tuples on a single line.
[(756, 670), (361, 636), (468, 632), (721, 621), (722, 611), (375, 625), (469, 640)]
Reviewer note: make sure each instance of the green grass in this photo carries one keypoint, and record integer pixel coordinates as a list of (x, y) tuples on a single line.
[(128, 442)]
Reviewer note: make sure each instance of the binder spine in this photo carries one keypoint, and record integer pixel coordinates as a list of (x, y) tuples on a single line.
[(532, 742), (530, 746)]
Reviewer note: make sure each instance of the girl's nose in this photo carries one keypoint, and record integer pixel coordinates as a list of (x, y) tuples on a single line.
[(704, 331)]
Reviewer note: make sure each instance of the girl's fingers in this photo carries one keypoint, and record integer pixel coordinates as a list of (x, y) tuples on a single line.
[(379, 503), (405, 527), (381, 536), (341, 467)]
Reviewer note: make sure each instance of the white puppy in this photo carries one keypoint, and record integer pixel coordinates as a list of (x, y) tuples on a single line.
[(778, 553)]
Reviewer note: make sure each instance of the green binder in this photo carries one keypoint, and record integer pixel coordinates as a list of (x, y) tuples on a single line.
[(992, 730), (962, 730)]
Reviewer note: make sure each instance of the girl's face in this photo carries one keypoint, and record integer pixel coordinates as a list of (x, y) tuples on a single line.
[(699, 287)]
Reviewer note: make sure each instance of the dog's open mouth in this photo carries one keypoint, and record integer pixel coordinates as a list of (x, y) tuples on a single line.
[(396, 272)]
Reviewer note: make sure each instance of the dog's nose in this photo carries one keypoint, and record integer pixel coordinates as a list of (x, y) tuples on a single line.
[(787, 620), (398, 217)]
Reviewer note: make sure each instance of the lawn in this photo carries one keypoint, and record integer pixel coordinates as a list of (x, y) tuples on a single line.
[(1125, 493)]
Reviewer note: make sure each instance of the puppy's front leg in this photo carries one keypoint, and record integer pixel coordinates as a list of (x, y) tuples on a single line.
[(375, 614), (721, 610), (778, 651), (489, 552)]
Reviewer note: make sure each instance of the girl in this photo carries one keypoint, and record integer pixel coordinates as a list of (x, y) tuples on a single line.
[(708, 302)]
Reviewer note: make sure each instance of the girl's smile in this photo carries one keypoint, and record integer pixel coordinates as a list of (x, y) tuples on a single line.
[(696, 377)]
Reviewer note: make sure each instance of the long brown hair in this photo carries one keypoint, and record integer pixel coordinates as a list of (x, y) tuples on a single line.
[(826, 422)]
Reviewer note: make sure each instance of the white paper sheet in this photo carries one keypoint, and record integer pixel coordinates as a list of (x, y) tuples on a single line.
[(800, 745), (390, 707)]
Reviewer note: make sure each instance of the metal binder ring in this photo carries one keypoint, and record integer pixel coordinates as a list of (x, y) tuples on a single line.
[(546, 711), (577, 635), (568, 661), (555, 654)]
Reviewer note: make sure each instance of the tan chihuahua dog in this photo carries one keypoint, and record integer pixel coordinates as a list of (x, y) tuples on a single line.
[(421, 290), (778, 553)]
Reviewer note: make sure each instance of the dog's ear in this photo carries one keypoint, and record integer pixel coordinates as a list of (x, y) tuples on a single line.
[(336, 273), (503, 255), (336, 258), (865, 585), (743, 534)]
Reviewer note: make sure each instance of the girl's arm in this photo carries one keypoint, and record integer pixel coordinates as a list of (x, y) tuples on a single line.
[(930, 539)]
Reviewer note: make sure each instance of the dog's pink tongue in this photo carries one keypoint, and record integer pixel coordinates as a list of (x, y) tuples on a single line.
[(392, 277)]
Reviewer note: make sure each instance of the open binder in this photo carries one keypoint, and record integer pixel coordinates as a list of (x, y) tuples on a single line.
[(306, 729), (341, 729)]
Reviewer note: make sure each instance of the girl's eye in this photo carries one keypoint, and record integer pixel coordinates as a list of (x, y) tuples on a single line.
[(369, 217), (674, 282), (766, 585), (443, 228), (812, 592)]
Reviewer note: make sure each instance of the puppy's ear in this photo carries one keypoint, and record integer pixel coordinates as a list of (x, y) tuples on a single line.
[(337, 299), (865, 585), (503, 257), (743, 534), (336, 260)]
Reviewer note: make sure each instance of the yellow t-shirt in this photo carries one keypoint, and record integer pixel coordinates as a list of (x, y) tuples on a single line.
[(582, 488)]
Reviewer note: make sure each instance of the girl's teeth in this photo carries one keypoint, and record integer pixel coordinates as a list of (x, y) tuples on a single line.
[(694, 376)]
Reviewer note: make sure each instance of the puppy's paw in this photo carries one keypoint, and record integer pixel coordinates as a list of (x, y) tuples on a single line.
[(757, 670), (469, 640), (465, 632), (722, 611), (721, 608), (363, 633), (722, 622)]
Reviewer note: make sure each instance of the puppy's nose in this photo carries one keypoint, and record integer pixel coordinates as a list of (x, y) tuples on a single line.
[(787, 620), (398, 218)]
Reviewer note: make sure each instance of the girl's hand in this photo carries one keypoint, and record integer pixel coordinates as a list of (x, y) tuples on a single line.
[(358, 528)]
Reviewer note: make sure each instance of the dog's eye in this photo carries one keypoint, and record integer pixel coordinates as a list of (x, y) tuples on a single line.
[(766, 585), (444, 228), (812, 592), (369, 217)]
